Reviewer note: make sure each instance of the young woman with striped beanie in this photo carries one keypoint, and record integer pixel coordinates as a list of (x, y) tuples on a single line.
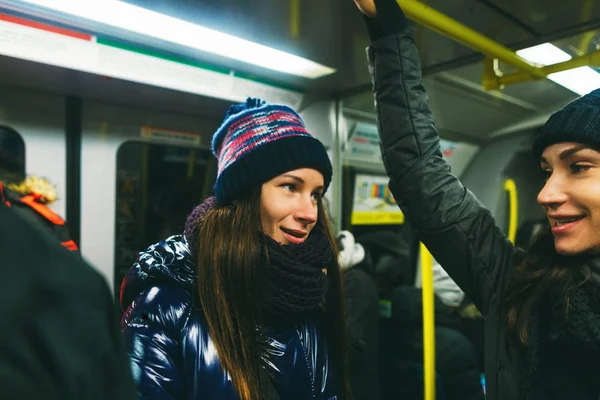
[(247, 303)]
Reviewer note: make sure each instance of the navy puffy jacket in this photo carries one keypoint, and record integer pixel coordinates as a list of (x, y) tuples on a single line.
[(172, 355)]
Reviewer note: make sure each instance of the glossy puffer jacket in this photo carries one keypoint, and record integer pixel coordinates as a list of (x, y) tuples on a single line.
[(172, 355)]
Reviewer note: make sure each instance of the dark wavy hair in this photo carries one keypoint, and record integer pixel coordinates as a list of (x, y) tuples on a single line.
[(541, 274)]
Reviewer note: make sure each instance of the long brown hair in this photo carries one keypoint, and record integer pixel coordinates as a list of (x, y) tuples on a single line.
[(229, 256), (542, 273)]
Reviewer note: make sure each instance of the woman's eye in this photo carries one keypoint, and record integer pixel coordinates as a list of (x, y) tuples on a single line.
[(576, 168), (317, 196), (289, 187)]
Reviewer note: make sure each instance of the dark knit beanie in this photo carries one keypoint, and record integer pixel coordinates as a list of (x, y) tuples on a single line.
[(259, 141), (578, 121)]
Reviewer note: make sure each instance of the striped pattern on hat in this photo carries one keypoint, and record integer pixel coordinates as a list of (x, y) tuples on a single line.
[(254, 128), (259, 141)]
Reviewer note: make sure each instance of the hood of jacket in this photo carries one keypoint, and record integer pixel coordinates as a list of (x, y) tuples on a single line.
[(168, 261)]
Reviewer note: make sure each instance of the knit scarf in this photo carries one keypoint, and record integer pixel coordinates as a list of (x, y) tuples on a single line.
[(292, 284), (562, 340)]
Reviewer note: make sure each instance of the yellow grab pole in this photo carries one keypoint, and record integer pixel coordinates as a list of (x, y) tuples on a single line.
[(511, 188), (295, 18), (440, 23), (428, 323), (586, 13)]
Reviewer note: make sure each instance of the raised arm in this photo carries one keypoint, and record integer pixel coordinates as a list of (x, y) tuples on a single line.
[(454, 225)]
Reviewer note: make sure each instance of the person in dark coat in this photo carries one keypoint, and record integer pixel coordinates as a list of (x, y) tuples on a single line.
[(541, 307), (247, 303), (401, 327), (30, 195), (362, 309), (31, 198), (59, 331)]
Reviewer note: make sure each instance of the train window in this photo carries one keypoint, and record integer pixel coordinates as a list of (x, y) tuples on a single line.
[(12, 155), (157, 186)]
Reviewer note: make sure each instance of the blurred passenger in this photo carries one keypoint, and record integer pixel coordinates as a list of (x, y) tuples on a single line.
[(362, 309), (465, 318), (30, 195), (247, 303), (30, 198), (59, 332), (541, 308), (401, 324)]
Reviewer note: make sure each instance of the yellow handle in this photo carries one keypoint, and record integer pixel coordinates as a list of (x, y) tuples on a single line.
[(428, 323), (511, 188), (423, 14), (295, 18)]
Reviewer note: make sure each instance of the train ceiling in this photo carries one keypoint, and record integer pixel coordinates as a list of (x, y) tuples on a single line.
[(332, 33)]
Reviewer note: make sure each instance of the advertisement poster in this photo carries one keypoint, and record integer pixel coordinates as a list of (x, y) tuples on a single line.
[(373, 202)]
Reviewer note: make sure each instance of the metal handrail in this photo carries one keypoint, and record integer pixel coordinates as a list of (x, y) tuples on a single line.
[(428, 323), (511, 187)]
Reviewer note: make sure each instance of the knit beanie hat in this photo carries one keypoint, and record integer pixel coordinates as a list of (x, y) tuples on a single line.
[(578, 121), (257, 142)]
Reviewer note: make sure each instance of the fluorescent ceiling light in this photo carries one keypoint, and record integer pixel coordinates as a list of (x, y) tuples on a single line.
[(544, 54), (580, 80), (149, 23)]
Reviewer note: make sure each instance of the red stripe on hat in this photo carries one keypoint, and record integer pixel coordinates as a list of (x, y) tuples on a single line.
[(243, 144)]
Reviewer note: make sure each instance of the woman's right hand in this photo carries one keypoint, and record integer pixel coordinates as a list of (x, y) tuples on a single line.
[(367, 7)]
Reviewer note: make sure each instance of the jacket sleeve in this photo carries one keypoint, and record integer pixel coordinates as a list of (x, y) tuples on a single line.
[(460, 233), (151, 332)]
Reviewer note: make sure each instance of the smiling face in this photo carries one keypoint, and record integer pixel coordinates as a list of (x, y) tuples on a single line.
[(289, 205), (571, 197)]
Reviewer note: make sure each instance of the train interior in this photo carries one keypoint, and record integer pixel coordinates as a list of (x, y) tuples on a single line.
[(120, 122)]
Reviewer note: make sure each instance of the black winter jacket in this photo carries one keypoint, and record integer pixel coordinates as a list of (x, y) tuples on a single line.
[(458, 230)]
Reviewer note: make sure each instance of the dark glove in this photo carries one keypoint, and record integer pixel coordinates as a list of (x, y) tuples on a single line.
[(390, 20)]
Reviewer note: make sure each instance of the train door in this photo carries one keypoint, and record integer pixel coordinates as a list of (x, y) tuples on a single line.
[(142, 171), (32, 129), (508, 158)]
